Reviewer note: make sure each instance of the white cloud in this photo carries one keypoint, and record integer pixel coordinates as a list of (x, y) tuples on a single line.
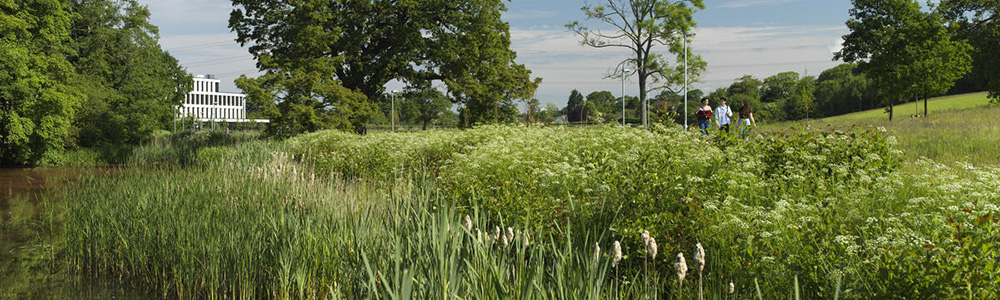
[(751, 3)]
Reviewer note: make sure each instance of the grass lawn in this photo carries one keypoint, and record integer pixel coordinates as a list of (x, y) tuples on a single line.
[(959, 128)]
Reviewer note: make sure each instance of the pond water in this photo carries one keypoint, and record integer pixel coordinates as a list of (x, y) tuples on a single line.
[(29, 269)]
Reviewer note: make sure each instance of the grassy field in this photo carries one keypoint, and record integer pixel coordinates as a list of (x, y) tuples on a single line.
[(503, 212), (961, 128)]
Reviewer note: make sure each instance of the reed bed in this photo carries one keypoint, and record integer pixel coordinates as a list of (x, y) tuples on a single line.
[(815, 216)]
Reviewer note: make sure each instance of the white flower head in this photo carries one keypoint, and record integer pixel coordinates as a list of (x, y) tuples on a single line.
[(699, 257), (681, 266), (510, 234), (479, 236), (652, 248), (617, 251), (645, 237), (732, 287), (468, 223)]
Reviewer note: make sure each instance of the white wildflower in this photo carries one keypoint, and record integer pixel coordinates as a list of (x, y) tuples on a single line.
[(468, 223), (732, 287), (645, 238)]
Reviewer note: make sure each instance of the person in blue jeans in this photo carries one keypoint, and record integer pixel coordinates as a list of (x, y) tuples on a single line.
[(746, 119), (723, 116), (704, 114)]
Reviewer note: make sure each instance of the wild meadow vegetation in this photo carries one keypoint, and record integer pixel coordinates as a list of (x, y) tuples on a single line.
[(962, 128), (537, 212)]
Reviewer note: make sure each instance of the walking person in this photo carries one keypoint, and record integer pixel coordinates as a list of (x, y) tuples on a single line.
[(746, 119), (704, 114), (723, 115)]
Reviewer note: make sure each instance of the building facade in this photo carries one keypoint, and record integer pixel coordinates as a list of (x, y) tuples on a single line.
[(205, 103)]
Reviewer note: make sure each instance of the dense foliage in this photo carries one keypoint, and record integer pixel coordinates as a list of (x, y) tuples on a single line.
[(327, 63), (81, 73), (37, 103), (332, 214), (131, 85)]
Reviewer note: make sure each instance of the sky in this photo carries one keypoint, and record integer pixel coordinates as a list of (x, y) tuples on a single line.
[(736, 38)]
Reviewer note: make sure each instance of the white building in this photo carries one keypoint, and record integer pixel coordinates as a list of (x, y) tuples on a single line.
[(205, 103)]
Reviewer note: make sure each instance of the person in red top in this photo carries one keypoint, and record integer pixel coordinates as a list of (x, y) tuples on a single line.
[(704, 114)]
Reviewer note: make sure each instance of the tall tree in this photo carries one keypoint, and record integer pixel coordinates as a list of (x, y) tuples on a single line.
[(36, 104), (901, 47), (131, 84), (575, 100), (362, 45), (638, 26), (978, 22)]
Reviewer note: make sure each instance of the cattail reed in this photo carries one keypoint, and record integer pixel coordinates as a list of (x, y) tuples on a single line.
[(597, 253), (699, 261), (681, 266), (616, 250), (652, 248)]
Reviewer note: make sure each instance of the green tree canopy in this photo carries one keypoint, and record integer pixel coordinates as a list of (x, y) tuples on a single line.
[(901, 48), (37, 106), (843, 89), (575, 100), (638, 26), (978, 21), (131, 84), (362, 45)]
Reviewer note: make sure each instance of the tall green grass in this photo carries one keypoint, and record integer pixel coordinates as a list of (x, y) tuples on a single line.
[(331, 215), (962, 128)]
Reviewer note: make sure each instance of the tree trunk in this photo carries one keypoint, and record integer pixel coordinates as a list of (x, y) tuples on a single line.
[(925, 104), (642, 99), (890, 109)]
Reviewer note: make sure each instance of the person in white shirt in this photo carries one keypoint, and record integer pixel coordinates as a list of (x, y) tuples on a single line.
[(723, 116)]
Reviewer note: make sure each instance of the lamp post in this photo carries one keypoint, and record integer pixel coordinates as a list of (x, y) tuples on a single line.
[(624, 73), (686, 34), (392, 112)]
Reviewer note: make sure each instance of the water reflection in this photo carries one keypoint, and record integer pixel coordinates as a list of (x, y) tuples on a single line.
[(30, 268)]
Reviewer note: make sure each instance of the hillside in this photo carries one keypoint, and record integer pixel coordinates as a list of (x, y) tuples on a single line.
[(959, 128)]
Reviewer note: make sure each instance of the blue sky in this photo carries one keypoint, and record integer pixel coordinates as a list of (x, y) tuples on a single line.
[(736, 37)]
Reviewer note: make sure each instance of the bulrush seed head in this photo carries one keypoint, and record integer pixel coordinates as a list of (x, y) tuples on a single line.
[(645, 238), (468, 223), (510, 234), (732, 287), (652, 248), (479, 236), (496, 234), (681, 266), (597, 252), (617, 251), (699, 257)]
